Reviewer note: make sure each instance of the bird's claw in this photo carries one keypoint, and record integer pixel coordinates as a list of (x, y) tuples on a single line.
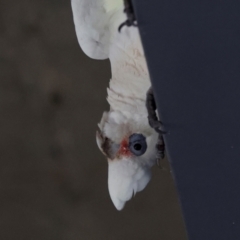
[(131, 19), (156, 125)]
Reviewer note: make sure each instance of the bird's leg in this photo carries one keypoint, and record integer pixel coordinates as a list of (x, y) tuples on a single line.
[(131, 19), (155, 123)]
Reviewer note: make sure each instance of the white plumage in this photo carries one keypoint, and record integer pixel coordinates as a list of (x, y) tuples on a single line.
[(96, 23)]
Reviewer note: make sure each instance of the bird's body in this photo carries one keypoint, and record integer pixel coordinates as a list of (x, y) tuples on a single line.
[(125, 127)]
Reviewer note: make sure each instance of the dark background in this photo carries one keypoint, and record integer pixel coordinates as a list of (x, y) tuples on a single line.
[(53, 179)]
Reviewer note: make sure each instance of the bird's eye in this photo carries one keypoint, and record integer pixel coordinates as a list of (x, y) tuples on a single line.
[(137, 144)]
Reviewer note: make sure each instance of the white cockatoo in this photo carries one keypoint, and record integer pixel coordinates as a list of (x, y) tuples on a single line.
[(124, 135)]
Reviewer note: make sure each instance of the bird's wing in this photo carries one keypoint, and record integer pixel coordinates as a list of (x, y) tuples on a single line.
[(95, 22)]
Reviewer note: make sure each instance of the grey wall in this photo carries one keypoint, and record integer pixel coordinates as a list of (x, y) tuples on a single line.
[(53, 179)]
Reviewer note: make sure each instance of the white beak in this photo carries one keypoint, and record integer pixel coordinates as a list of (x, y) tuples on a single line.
[(125, 178)]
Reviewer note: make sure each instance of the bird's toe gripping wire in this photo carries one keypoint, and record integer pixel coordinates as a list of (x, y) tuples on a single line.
[(155, 124), (131, 19), (152, 116)]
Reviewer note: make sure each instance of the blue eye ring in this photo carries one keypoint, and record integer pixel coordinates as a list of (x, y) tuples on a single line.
[(137, 144)]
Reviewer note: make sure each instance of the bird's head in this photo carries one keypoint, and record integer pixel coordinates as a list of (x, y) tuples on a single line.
[(129, 145)]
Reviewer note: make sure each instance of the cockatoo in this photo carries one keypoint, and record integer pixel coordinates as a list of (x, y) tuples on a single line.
[(125, 136)]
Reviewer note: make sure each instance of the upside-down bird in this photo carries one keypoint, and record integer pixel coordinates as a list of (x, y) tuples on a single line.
[(125, 136)]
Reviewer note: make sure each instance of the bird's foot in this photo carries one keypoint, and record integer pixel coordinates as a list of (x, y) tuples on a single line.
[(152, 116), (131, 19), (155, 124)]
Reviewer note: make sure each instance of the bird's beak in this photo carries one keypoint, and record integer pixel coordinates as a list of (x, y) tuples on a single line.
[(125, 178)]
